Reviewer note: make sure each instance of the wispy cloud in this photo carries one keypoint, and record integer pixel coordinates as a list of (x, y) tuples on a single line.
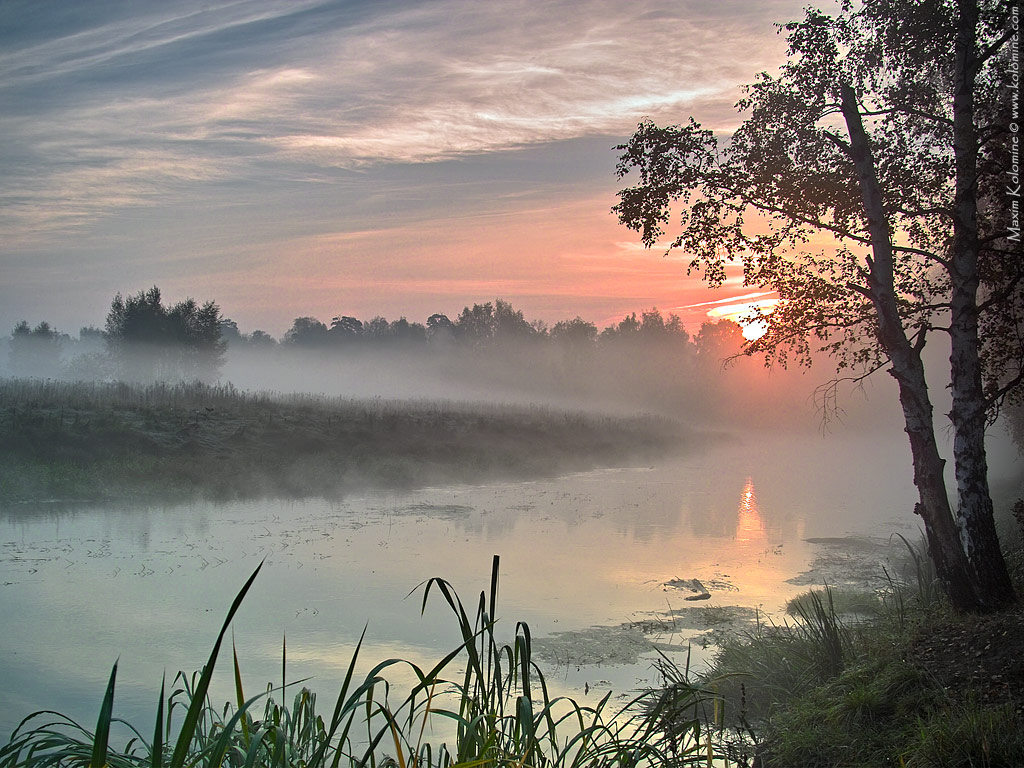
[(746, 297), (77, 49), (154, 105)]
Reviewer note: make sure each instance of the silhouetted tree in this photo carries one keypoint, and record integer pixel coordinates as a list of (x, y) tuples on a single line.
[(86, 358), (718, 340), (376, 330), (229, 332), (652, 324), (475, 327), (875, 136), (510, 325), (574, 333), (575, 339), (407, 334), (346, 330), (197, 334), (35, 351), (260, 339), (440, 330), (90, 339), (624, 330), (306, 333), (137, 320), (148, 340)]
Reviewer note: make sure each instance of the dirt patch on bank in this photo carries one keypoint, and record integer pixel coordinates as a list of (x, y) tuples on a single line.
[(981, 653)]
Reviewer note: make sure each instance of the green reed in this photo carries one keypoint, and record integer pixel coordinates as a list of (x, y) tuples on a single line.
[(499, 705)]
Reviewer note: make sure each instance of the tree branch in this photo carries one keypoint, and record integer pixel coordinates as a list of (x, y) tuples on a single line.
[(826, 396), (760, 206), (1000, 296), (927, 254), (908, 111), (986, 53), (865, 292), (1005, 390), (835, 139), (923, 212)]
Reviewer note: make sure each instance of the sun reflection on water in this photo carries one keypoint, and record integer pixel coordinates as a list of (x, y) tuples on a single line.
[(749, 525)]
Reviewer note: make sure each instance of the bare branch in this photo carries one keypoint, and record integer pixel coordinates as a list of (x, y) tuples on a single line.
[(826, 396), (920, 252), (904, 110), (1005, 390)]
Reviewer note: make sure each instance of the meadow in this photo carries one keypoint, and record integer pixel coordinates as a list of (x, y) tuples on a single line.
[(96, 441)]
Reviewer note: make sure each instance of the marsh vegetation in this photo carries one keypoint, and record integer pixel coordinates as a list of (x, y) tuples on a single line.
[(825, 688), (854, 679), (87, 441)]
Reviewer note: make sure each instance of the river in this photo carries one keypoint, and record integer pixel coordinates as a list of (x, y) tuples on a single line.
[(581, 555)]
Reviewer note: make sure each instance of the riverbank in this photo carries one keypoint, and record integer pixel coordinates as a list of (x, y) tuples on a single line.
[(893, 677), (95, 441)]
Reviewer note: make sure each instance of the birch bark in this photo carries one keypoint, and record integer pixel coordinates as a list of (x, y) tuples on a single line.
[(907, 368), (974, 510)]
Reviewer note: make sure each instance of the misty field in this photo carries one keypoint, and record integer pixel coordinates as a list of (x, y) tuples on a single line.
[(91, 441)]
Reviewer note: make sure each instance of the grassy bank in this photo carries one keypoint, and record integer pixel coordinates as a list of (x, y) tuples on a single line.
[(900, 681), (86, 441)]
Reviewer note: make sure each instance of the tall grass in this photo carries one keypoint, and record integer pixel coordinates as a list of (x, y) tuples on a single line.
[(34, 395), (756, 670), (499, 706), (93, 440), (834, 688)]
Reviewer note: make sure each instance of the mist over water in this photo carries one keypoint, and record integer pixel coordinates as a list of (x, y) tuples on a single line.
[(584, 555), (490, 354), (716, 392)]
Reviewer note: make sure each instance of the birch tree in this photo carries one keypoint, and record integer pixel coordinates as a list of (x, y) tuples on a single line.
[(867, 186)]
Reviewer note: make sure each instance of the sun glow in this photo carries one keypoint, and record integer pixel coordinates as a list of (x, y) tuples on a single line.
[(749, 315)]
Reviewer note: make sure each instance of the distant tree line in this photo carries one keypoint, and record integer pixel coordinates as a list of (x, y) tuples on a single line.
[(498, 323), (144, 339)]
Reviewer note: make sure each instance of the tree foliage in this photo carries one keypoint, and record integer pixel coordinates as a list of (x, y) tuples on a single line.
[(149, 340), (866, 187), (36, 351), (782, 199), (717, 341)]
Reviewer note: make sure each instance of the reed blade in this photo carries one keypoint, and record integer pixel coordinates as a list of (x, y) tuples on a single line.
[(157, 753), (239, 695), (101, 740), (188, 727)]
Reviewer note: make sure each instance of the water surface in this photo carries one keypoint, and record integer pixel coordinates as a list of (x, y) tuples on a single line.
[(83, 586)]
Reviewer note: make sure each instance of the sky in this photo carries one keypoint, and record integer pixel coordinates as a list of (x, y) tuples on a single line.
[(351, 157)]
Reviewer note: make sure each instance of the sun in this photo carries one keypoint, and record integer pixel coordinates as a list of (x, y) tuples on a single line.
[(749, 315), (754, 329)]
